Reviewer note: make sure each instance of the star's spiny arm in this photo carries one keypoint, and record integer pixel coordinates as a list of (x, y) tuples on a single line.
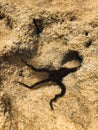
[(35, 69), (34, 85), (73, 69), (66, 71), (63, 91)]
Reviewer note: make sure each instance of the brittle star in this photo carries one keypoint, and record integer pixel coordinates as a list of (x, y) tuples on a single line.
[(55, 76)]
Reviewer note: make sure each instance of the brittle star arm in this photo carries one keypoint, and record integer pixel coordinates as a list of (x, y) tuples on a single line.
[(63, 91), (35, 69), (73, 69), (34, 85), (66, 71)]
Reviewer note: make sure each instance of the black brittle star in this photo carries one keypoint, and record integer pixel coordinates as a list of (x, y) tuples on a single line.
[(55, 76)]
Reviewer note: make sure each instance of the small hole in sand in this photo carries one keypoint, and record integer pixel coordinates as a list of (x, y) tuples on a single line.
[(88, 43)]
